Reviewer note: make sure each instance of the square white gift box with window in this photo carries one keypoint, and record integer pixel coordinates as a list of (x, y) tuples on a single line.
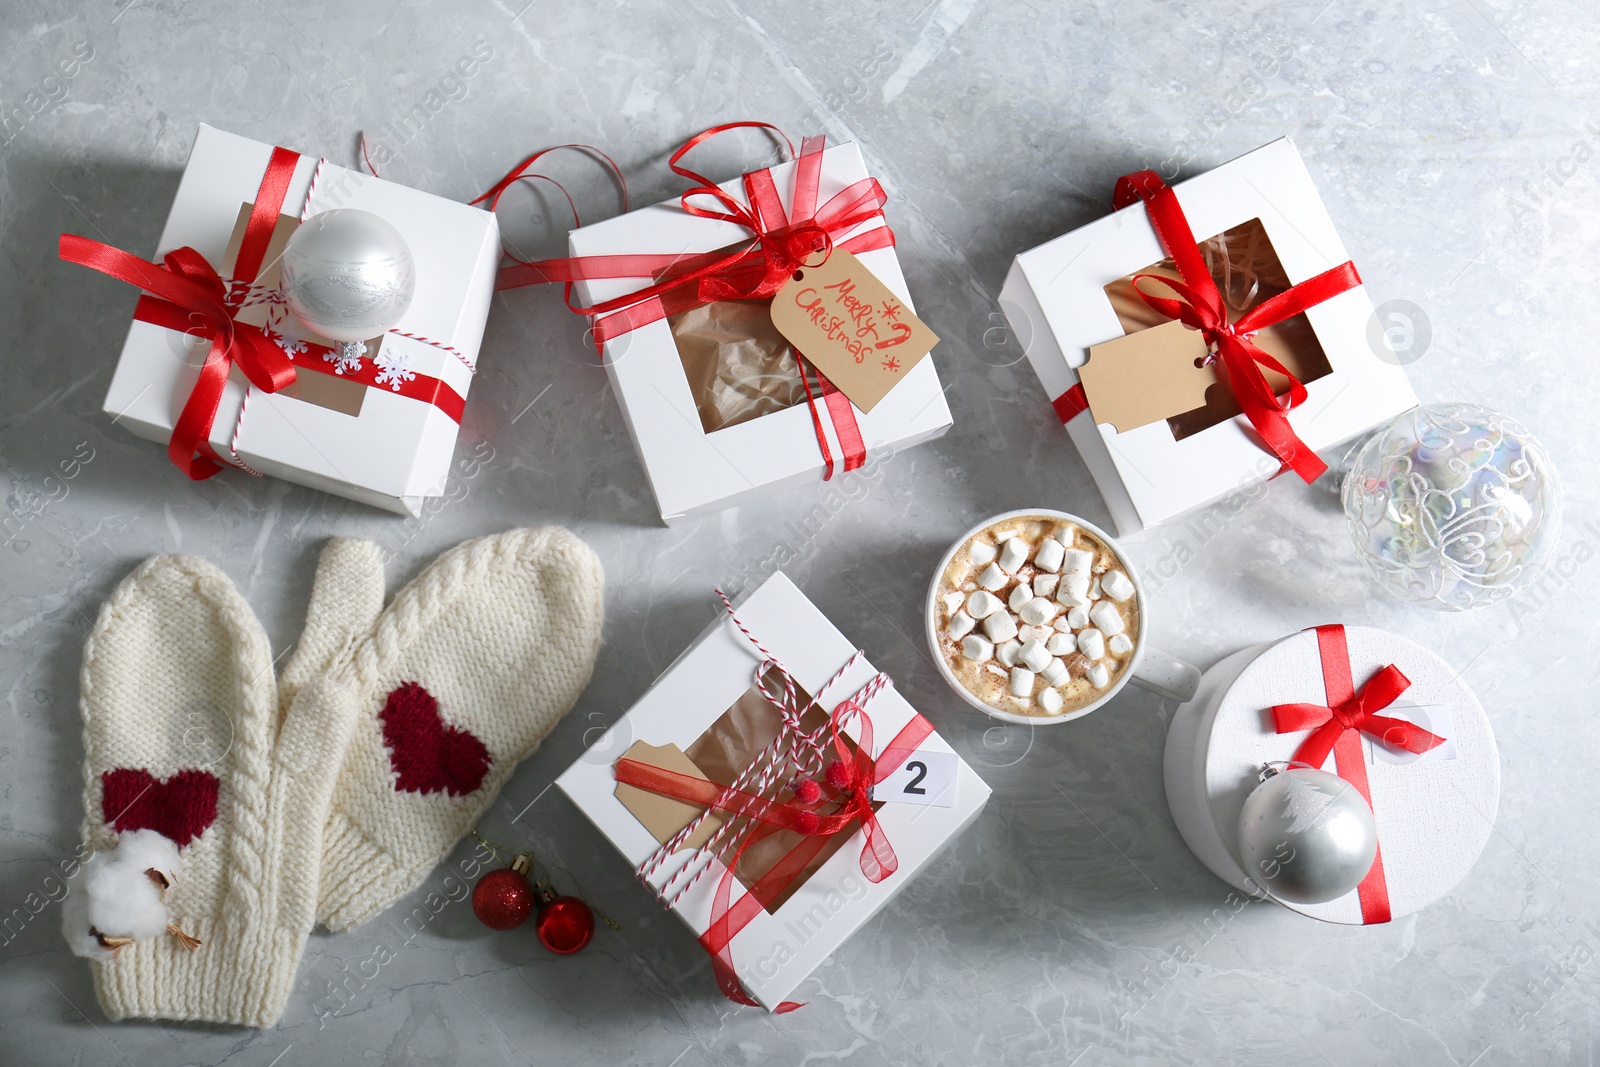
[(712, 397), (706, 718), (1263, 228), (382, 430)]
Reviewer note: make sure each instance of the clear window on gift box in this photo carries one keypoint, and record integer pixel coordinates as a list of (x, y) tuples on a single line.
[(1246, 269), (738, 737), (739, 367)]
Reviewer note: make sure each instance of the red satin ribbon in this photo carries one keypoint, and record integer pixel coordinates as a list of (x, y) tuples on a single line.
[(421, 387), (185, 293), (1200, 306), (1070, 404), (878, 861), (264, 212), (781, 242), (844, 422), (198, 296), (1337, 727), (204, 306)]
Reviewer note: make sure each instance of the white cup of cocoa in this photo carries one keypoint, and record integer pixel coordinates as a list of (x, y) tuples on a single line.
[(1036, 616)]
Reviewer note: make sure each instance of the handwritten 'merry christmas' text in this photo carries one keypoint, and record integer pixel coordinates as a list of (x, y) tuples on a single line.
[(856, 325), (844, 321)]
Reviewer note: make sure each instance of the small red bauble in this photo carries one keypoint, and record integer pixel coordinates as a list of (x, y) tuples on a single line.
[(807, 791), (504, 899), (565, 924)]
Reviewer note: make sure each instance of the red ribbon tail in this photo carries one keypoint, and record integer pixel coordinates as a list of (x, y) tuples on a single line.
[(816, 419), (843, 416), (190, 283), (1338, 686), (1260, 405), (1314, 750), (1398, 733)]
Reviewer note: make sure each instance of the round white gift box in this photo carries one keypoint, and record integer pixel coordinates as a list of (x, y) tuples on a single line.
[(1434, 812)]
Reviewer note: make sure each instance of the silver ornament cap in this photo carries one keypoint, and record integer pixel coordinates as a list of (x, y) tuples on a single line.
[(348, 274), (1306, 835)]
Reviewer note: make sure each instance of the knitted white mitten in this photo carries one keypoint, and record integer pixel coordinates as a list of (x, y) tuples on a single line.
[(456, 682), (181, 735)]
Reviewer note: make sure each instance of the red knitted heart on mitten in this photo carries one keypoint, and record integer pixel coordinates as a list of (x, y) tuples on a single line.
[(179, 808), (426, 753)]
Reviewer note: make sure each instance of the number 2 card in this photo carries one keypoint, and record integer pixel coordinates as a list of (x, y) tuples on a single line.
[(927, 778)]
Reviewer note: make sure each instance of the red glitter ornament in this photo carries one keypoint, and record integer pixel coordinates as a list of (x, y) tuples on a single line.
[(807, 791), (503, 899)]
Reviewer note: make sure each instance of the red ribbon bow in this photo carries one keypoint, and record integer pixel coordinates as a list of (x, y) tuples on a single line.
[(1200, 306), (862, 772), (203, 305), (193, 287), (781, 242), (1337, 728), (1358, 713)]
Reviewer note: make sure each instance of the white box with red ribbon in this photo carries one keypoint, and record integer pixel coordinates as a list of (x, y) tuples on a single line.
[(815, 434), (380, 430), (1330, 696), (702, 785), (1266, 278)]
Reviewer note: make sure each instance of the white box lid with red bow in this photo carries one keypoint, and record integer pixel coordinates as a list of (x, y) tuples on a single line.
[(1434, 810)]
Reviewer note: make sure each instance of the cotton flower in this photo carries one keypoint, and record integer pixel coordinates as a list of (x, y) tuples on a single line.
[(120, 897)]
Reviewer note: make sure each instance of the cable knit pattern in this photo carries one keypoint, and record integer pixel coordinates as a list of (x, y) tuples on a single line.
[(346, 596), (177, 677), (502, 633)]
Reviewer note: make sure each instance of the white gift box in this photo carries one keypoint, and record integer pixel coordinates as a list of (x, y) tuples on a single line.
[(691, 471), (1434, 811), (782, 945), (367, 443), (1056, 303)]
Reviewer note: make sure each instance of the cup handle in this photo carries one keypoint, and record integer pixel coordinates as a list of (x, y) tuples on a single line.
[(1166, 676)]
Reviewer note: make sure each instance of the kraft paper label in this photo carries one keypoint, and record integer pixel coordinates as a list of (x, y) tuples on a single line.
[(665, 816), (851, 327), (1159, 370), (1147, 376)]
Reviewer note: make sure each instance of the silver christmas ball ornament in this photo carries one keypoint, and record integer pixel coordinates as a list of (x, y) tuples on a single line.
[(1306, 836), (348, 275)]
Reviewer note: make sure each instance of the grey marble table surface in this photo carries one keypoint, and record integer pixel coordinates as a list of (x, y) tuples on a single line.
[(1456, 144)]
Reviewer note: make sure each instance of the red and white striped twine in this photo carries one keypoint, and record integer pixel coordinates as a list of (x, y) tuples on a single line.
[(316, 172), (465, 362), (794, 752), (238, 424)]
